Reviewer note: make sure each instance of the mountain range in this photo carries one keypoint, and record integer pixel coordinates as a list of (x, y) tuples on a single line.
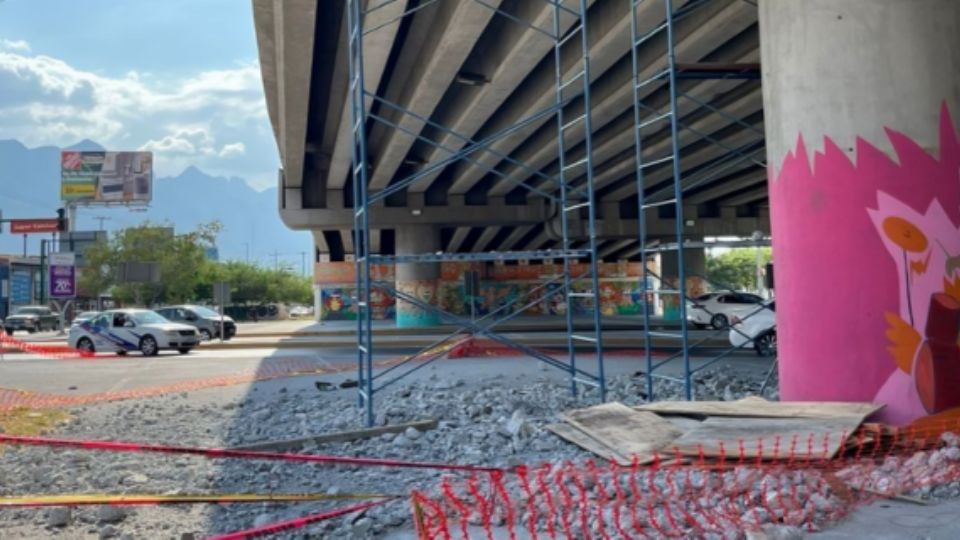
[(252, 230)]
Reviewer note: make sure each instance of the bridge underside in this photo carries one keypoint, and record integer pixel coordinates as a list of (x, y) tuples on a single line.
[(467, 73)]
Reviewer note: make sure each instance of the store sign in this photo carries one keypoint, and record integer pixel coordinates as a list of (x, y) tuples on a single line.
[(33, 226), (63, 275)]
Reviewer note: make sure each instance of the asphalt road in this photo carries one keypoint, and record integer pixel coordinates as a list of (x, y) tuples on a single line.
[(111, 373)]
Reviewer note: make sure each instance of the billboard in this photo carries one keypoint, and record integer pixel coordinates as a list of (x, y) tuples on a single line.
[(104, 177)]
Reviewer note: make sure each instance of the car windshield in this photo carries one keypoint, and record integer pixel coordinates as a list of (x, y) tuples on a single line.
[(205, 312), (147, 317), (29, 311)]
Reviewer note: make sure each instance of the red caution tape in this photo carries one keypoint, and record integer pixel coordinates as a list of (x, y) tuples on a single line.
[(295, 523), (59, 352), (115, 446)]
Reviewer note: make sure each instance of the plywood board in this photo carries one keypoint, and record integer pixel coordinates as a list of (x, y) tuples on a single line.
[(761, 408), (588, 443), (624, 430), (771, 437)]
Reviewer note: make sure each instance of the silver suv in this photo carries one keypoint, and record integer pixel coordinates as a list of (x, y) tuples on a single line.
[(204, 319)]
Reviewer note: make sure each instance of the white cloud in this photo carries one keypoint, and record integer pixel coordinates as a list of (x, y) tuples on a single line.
[(51, 102), (233, 149), (19, 45), (184, 140)]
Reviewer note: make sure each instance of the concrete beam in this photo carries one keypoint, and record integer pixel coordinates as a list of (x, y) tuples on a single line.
[(346, 236), (375, 235), (722, 226), (748, 197), (512, 57), (320, 241), (430, 80), (285, 36), (727, 187), (517, 234), (444, 216), (376, 50), (459, 235), (485, 237), (614, 246)]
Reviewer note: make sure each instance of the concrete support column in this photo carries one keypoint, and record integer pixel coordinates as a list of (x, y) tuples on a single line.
[(865, 199), (417, 279), (695, 266)]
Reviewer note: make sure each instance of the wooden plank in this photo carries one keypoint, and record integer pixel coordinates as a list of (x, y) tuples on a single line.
[(588, 443), (771, 437), (340, 436), (625, 431), (683, 423), (761, 408)]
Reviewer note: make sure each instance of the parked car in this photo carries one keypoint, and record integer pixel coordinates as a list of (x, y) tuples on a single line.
[(758, 323), (715, 309), (204, 319), (83, 317), (301, 311), (124, 330), (32, 319)]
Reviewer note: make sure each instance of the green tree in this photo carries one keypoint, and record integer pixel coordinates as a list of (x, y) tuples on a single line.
[(736, 268), (181, 260)]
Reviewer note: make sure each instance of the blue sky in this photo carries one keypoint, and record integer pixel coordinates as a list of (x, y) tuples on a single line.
[(178, 77)]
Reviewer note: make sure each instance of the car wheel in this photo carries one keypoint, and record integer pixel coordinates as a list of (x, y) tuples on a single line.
[(32, 331), (719, 321), (121, 353), (766, 344), (56, 326), (205, 335), (9, 331), (86, 345), (148, 346), (183, 350)]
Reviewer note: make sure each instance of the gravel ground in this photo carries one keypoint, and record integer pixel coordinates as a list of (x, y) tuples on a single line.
[(494, 421)]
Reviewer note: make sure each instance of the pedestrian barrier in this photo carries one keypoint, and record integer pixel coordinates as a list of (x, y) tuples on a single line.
[(678, 497)]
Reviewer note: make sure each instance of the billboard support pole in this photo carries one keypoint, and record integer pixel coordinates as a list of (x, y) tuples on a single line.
[(43, 274), (71, 217), (24, 246)]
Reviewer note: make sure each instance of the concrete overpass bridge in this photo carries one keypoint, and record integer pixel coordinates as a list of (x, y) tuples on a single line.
[(847, 153), (463, 67)]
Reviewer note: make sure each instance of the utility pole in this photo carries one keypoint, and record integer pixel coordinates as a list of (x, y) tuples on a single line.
[(303, 263), (246, 246), (276, 260), (101, 219)]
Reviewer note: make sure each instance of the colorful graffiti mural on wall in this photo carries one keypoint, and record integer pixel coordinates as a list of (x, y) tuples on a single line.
[(505, 287), (869, 289)]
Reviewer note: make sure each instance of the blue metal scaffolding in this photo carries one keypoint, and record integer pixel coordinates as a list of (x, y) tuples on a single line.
[(651, 121), (557, 189)]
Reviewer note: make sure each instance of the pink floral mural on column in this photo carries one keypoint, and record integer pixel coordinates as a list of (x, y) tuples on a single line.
[(868, 274)]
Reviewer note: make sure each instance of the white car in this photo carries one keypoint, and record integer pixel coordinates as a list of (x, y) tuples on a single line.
[(124, 330), (756, 325), (716, 309)]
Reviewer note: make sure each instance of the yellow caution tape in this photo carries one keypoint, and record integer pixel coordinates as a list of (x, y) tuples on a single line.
[(153, 499)]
